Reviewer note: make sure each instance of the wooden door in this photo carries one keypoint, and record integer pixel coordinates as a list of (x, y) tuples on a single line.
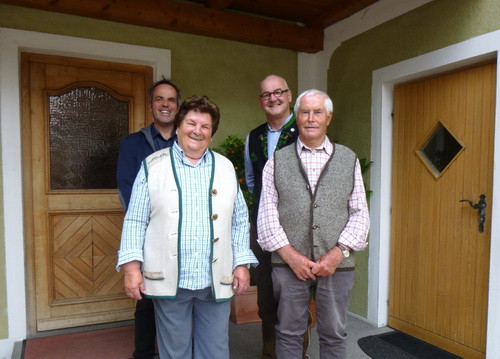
[(443, 153), (75, 112)]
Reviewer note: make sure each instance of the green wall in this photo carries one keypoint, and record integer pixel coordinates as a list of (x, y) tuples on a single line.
[(4, 330), (435, 25), (228, 72)]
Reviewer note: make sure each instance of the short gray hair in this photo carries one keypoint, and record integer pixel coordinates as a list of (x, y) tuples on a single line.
[(328, 104)]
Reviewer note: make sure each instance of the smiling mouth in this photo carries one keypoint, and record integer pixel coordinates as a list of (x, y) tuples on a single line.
[(196, 139)]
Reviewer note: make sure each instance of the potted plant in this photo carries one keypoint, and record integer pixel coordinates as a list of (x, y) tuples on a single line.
[(233, 147), (244, 307)]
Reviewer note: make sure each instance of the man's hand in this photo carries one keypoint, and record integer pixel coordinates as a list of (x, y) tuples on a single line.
[(328, 263), (300, 264), (134, 284), (241, 281)]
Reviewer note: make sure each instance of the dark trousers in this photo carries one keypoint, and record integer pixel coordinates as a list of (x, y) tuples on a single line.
[(268, 305), (145, 329)]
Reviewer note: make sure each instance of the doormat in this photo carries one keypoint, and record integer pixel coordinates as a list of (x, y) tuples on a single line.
[(402, 346), (114, 343)]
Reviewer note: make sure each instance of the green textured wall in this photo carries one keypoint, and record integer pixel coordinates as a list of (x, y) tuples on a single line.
[(4, 330), (228, 72), (435, 25)]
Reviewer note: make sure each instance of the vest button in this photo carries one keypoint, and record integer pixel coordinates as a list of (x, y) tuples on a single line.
[(314, 226), (215, 239), (213, 192), (215, 216), (308, 187), (315, 205)]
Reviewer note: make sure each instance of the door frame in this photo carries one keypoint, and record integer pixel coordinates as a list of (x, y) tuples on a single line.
[(465, 53), (12, 42)]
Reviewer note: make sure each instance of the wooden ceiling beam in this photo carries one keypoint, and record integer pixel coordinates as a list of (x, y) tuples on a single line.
[(218, 4), (338, 11), (187, 18)]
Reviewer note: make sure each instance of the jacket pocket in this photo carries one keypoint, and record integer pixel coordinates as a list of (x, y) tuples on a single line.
[(153, 275), (227, 280)]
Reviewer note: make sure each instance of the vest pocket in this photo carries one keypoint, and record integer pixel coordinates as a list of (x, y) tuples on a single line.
[(227, 280), (153, 275)]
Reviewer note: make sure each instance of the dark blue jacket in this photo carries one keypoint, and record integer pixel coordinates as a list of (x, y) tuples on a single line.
[(133, 149)]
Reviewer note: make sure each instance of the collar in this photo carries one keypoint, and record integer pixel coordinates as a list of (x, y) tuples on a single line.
[(288, 119), (326, 146), (182, 156), (155, 133)]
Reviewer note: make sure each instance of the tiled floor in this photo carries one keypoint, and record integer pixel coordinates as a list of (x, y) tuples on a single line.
[(245, 339)]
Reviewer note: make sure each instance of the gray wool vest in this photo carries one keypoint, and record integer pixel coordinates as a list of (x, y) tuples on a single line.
[(311, 220)]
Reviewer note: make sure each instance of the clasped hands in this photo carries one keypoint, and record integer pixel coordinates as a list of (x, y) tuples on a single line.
[(305, 269)]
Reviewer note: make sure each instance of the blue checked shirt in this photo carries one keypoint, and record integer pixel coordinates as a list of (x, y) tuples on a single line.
[(195, 238)]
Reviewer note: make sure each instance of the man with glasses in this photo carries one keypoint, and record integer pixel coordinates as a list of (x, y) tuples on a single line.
[(279, 131)]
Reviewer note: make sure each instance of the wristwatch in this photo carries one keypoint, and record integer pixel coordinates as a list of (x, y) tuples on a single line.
[(344, 250)]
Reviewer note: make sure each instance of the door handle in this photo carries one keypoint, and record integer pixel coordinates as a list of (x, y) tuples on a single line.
[(481, 207)]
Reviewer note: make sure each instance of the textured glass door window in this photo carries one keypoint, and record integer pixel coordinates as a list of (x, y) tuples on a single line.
[(86, 126)]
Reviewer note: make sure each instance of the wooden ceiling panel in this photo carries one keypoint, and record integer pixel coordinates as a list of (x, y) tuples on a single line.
[(296, 25)]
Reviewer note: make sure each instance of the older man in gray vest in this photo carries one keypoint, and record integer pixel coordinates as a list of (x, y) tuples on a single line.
[(312, 215)]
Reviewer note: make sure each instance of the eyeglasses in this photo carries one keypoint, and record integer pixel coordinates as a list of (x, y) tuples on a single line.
[(276, 93)]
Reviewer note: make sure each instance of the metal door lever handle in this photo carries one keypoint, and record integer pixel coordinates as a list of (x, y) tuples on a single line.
[(481, 207)]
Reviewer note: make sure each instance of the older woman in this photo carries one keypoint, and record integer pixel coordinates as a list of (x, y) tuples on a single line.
[(187, 226)]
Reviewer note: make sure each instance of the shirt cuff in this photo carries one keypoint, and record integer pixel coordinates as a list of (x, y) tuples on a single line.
[(129, 256), (274, 243), (245, 257), (351, 241)]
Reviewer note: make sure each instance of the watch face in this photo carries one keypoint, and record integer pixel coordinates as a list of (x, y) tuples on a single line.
[(345, 251)]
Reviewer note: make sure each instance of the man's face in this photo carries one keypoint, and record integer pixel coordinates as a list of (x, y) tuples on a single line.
[(312, 120), (164, 105), (195, 132), (275, 107)]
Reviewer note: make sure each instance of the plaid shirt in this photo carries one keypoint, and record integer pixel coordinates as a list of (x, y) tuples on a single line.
[(271, 235), (195, 241)]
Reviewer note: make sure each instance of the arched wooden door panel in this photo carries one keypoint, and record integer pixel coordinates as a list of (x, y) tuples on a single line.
[(75, 112)]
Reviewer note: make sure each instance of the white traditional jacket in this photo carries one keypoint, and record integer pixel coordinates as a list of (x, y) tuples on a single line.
[(161, 246)]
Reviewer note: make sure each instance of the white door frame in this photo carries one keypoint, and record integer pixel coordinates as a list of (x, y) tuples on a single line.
[(471, 51), (12, 42)]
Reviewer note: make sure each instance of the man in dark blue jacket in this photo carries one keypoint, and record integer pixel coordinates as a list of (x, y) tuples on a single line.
[(164, 99)]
